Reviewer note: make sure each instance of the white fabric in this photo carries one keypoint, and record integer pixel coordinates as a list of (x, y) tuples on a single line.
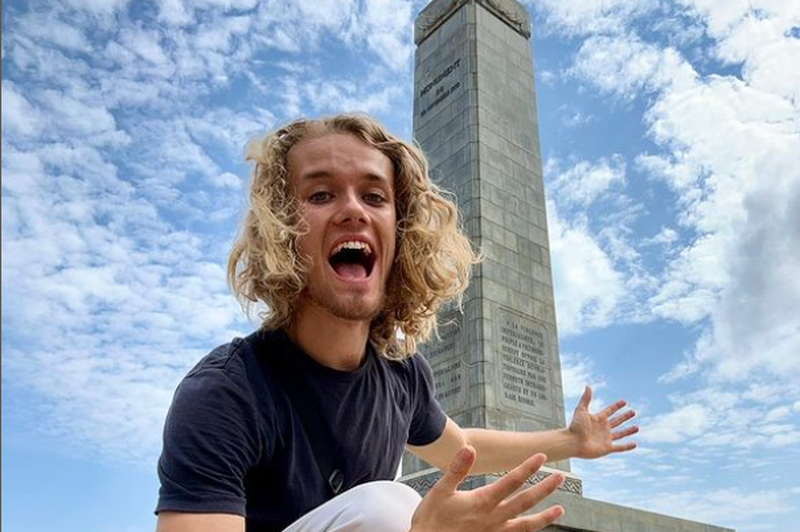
[(382, 506)]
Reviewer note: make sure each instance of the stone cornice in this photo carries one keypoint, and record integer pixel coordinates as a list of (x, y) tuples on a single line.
[(509, 11)]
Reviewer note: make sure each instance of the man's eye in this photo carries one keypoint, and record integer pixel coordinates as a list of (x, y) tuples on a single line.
[(375, 199), (319, 197)]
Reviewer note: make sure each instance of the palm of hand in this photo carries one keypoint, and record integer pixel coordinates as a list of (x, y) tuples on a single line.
[(595, 434)]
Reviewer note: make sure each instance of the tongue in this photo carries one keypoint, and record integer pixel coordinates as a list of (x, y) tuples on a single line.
[(351, 270)]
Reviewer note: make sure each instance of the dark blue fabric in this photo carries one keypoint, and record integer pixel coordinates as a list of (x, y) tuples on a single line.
[(234, 441)]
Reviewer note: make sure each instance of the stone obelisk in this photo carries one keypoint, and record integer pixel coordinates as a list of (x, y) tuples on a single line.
[(496, 364)]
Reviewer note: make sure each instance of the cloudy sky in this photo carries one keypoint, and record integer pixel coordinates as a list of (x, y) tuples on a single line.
[(670, 133)]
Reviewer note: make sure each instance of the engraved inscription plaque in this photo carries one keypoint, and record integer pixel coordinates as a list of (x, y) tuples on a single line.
[(450, 385), (440, 86), (524, 364), (445, 355)]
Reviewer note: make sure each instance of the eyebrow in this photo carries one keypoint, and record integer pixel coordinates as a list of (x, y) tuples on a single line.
[(323, 174)]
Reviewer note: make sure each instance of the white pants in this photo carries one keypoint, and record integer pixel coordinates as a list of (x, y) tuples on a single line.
[(382, 506)]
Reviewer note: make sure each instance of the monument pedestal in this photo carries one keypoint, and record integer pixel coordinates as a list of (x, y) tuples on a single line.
[(496, 365), (424, 480), (581, 514)]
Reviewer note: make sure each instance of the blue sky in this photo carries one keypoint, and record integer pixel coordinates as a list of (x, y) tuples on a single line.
[(670, 134)]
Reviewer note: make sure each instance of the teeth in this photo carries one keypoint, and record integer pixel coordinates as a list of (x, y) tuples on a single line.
[(352, 244)]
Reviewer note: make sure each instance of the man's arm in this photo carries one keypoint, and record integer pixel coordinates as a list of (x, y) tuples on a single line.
[(191, 522), (588, 436)]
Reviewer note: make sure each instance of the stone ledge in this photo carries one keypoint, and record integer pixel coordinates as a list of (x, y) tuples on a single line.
[(422, 481)]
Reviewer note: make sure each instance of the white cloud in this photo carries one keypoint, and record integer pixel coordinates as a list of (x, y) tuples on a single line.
[(174, 12), (578, 118), (589, 16), (342, 95), (737, 205), (98, 7), (625, 65), (112, 173), (685, 423), (74, 116), (586, 285), (331, 14), (113, 297), (730, 147), (576, 372), (743, 509), (145, 44), (19, 116), (52, 30), (720, 420), (132, 300), (388, 25), (665, 237), (319, 96), (224, 128), (292, 97), (598, 273), (585, 182), (227, 180)]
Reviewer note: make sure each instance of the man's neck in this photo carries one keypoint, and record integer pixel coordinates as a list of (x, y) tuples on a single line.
[(333, 342)]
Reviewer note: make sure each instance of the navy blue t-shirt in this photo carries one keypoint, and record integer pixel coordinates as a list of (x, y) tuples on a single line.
[(234, 440)]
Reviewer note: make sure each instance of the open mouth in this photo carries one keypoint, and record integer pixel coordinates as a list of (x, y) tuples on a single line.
[(352, 260)]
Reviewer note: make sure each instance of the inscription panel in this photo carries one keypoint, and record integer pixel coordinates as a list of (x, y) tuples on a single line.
[(524, 364), (439, 79), (445, 356)]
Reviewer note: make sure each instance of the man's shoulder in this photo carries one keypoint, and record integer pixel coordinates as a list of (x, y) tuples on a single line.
[(224, 360), (232, 375), (410, 363), (239, 356), (409, 368)]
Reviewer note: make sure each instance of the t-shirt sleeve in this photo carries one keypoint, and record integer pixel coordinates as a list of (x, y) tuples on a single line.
[(428, 420), (211, 440)]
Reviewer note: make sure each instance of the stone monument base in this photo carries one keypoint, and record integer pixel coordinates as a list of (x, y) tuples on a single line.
[(581, 514)]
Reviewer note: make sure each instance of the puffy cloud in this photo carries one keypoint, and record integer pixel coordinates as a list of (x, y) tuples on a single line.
[(145, 44), (585, 182), (121, 181), (98, 7), (20, 118), (685, 423), (743, 509), (625, 65), (576, 372), (49, 28), (329, 95), (729, 148), (580, 17), (587, 287), (598, 274)]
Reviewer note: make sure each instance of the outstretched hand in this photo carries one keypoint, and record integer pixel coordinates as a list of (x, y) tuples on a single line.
[(596, 434), (493, 508)]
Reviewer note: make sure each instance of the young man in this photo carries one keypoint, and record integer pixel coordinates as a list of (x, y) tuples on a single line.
[(301, 426)]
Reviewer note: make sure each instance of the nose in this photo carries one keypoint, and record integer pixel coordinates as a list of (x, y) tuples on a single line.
[(352, 210)]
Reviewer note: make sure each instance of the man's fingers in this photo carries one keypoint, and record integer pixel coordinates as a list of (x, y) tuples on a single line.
[(515, 478), (624, 433), (532, 496), (532, 523), (623, 448), (620, 419), (586, 398), (609, 410), (459, 468)]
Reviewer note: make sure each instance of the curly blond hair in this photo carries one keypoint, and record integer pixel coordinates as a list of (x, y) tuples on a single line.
[(433, 258)]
